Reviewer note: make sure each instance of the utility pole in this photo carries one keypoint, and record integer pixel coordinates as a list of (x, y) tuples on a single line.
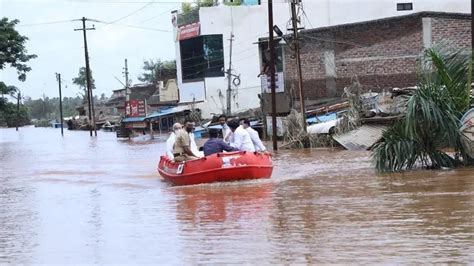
[(58, 77), (229, 77), (18, 110), (127, 96), (296, 43), (88, 77), (271, 46)]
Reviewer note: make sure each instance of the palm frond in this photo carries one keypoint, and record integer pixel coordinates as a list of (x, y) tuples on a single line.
[(431, 123)]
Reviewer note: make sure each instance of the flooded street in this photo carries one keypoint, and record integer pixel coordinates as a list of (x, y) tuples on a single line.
[(100, 200)]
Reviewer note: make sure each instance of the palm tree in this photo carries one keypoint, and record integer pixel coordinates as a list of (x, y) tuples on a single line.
[(431, 124)]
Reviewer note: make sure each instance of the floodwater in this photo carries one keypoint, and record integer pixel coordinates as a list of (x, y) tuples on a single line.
[(99, 200)]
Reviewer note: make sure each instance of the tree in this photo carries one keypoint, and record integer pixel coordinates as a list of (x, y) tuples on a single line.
[(81, 81), (6, 90), (12, 48), (431, 124), (158, 70)]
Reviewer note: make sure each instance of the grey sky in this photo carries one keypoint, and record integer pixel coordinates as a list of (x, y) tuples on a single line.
[(60, 48)]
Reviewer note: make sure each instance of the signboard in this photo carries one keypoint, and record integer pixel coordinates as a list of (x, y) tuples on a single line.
[(189, 31), (280, 125), (279, 83), (135, 108)]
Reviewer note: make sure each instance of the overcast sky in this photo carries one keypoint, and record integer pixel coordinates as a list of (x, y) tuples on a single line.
[(60, 48)]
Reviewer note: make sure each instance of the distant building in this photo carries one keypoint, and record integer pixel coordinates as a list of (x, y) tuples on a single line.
[(203, 46)]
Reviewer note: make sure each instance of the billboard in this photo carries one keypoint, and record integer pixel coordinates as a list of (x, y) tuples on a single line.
[(189, 31), (135, 108)]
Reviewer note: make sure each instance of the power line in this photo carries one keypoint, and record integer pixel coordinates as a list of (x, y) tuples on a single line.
[(43, 23), (132, 13), (155, 16), (134, 26)]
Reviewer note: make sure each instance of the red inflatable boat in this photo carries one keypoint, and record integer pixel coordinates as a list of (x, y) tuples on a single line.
[(218, 167)]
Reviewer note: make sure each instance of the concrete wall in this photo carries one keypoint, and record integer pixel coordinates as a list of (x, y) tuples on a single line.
[(249, 23), (169, 92)]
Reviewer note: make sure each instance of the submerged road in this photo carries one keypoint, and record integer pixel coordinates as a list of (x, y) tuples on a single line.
[(99, 200)]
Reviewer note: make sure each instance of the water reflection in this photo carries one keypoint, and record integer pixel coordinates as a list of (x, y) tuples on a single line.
[(220, 203)]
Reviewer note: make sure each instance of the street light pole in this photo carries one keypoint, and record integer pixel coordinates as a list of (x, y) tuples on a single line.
[(298, 61), (88, 79), (18, 110), (58, 77)]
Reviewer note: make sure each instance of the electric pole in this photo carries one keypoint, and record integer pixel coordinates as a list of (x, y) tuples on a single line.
[(296, 44), (58, 77), (18, 110), (229, 77), (90, 96), (271, 47), (127, 96)]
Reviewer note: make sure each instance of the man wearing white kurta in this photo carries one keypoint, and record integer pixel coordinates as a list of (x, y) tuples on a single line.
[(171, 140), (257, 142), (240, 137), (225, 129)]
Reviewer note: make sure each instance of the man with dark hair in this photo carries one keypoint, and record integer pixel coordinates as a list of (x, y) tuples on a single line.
[(215, 144), (257, 142), (240, 138), (182, 147), (225, 129)]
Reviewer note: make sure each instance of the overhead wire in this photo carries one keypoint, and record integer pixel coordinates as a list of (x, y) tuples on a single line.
[(131, 14), (157, 15), (43, 23)]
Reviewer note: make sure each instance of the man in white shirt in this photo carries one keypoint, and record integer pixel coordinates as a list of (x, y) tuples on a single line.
[(240, 137), (171, 140), (194, 147), (225, 129), (257, 142)]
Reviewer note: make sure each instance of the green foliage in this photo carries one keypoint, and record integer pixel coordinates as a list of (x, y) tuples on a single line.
[(206, 3), (81, 81), (12, 48), (48, 108), (233, 2), (12, 116), (189, 14), (7, 90), (186, 8), (158, 70), (431, 124)]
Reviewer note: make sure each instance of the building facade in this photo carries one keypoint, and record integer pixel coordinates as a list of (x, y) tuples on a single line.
[(203, 46), (380, 54)]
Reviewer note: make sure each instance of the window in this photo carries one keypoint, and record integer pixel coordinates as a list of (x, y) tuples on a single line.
[(202, 57), (404, 6)]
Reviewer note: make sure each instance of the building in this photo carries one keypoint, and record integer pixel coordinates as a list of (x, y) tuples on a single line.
[(202, 40), (382, 54)]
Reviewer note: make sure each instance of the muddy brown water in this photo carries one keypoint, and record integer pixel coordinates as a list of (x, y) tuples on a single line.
[(99, 200)]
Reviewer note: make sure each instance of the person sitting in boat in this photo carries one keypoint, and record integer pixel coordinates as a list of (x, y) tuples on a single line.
[(257, 142), (182, 146), (225, 129), (171, 140), (240, 138), (215, 145), (194, 147)]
